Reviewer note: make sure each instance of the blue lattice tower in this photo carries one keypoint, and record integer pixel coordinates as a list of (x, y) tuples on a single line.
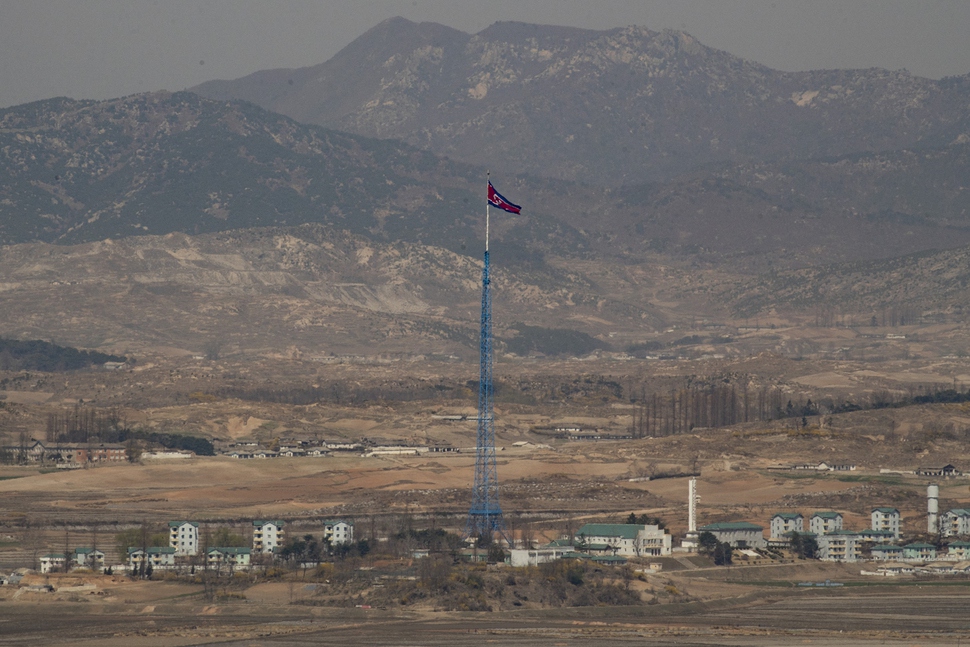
[(485, 515)]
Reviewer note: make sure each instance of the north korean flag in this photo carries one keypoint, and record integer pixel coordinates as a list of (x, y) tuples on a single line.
[(499, 202)]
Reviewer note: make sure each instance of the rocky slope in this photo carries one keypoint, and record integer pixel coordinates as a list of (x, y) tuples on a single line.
[(157, 163), (622, 106)]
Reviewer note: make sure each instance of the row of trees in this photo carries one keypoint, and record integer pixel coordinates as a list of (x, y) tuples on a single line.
[(709, 405), (82, 424)]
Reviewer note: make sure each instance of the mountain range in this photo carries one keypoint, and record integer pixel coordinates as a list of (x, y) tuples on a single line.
[(742, 190), (622, 106)]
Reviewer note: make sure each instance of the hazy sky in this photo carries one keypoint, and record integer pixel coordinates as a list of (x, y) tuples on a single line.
[(107, 48)]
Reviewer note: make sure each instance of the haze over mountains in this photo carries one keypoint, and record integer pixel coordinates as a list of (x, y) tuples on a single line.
[(631, 150), (623, 106)]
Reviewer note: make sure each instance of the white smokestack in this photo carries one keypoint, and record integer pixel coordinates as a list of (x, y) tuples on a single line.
[(692, 506), (932, 508)]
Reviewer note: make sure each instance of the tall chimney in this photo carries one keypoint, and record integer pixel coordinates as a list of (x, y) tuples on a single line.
[(692, 506), (932, 508)]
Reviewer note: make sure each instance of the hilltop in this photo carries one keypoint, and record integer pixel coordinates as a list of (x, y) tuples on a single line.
[(621, 106)]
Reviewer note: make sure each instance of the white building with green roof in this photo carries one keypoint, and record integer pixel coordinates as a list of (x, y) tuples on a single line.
[(338, 532), (839, 546), (737, 533), (783, 523), (183, 536), (825, 521), (627, 539), (886, 519), (955, 523), (267, 536)]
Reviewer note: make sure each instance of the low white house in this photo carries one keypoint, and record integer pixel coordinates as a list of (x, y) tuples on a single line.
[(887, 553), (737, 533), (52, 563), (183, 536), (267, 536), (783, 523), (627, 539), (338, 532), (160, 557), (886, 519), (825, 521), (230, 556), (519, 557), (88, 558)]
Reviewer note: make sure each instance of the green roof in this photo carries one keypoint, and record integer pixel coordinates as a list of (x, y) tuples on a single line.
[(153, 550), (621, 530), (84, 551), (730, 525), (261, 522), (960, 512), (788, 515), (844, 533), (230, 550), (919, 546), (886, 510), (176, 524), (959, 544), (559, 543), (886, 548), (827, 514)]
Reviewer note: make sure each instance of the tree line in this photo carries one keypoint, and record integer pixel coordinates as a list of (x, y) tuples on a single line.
[(83, 425), (36, 355)]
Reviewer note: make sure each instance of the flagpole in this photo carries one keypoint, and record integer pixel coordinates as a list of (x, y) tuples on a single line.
[(487, 182)]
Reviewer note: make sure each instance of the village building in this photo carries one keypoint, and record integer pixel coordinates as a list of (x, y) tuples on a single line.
[(887, 553), (783, 523), (824, 522), (183, 536), (919, 551), (886, 519), (627, 539), (52, 563), (956, 522), (519, 557), (839, 546), (947, 471), (233, 557), (741, 534), (88, 558), (160, 557), (871, 536), (338, 532), (959, 550), (267, 536)]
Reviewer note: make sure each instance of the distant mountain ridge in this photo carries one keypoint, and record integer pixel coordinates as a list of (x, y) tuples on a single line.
[(157, 163), (622, 106)]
